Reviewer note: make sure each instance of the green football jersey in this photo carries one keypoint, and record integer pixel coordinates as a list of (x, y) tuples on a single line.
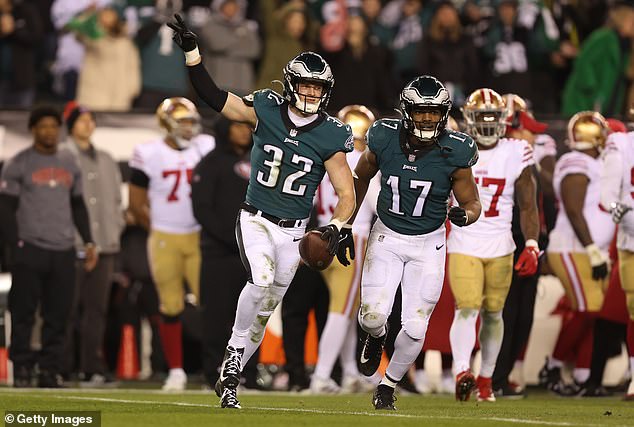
[(287, 162), (415, 191)]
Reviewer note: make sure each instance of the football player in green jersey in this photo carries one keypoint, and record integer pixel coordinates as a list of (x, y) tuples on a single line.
[(295, 143), (421, 162)]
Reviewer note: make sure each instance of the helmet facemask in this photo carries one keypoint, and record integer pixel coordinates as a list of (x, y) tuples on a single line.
[(180, 120), (486, 125), (425, 122), (308, 68)]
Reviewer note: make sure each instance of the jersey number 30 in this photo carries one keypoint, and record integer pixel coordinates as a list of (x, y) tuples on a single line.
[(270, 178)]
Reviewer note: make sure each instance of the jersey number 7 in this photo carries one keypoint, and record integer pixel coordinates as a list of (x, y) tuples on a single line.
[(499, 184), (173, 196)]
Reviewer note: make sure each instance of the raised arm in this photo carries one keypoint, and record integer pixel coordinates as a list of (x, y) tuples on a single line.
[(228, 104), (466, 193)]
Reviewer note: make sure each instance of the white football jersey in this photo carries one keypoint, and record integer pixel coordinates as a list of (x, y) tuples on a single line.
[(623, 143), (170, 174), (544, 146), (327, 199), (495, 174), (562, 237)]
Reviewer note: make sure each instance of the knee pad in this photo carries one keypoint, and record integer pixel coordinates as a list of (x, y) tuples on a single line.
[(416, 328), (372, 322)]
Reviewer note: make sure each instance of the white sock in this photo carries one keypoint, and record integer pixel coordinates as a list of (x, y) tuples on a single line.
[(581, 375), (388, 382), (348, 355), (248, 306), (330, 343), (554, 363), (462, 338), (491, 334), (406, 350), (632, 367)]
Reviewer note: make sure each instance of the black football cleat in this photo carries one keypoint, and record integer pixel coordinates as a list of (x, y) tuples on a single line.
[(229, 380), (229, 398), (371, 353), (383, 398)]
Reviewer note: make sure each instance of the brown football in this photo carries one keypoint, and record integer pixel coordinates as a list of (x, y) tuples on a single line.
[(314, 251)]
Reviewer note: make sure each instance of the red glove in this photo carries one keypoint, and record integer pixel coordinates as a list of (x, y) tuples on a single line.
[(529, 259)]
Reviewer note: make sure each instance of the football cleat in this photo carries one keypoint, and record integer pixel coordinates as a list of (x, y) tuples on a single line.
[(485, 390), (229, 398), (176, 380), (371, 353), (231, 367), (548, 376), (629, 395), (323, 386), (384, 398), (465, 384)]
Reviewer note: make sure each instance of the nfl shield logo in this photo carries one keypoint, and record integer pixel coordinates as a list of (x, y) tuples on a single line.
[(293, 132)]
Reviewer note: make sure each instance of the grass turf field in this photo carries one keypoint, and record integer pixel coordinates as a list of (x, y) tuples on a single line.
[(191, 409)]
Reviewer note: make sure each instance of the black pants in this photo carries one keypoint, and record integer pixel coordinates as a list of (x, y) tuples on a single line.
[(47, 278), (307, 291), (221, 281), (88, 315), (518, 321)]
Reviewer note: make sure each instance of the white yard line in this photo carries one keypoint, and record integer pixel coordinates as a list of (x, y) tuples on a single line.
[(319, 411)]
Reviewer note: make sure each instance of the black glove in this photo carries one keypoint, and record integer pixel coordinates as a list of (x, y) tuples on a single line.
[(458, 216), (346, 241), (331, 234), (600, 272), (183, 36)]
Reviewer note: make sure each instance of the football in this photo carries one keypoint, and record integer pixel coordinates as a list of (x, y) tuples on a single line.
[(314, 251)]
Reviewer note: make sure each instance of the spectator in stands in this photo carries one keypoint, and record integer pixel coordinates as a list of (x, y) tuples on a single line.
[(409, 33), (289, 31), (373, 86), (20, 31), (379, 32), (101, 183), (230, 45), (110, 75), (448, 54), (157, 52), (219, 186), (597, 81), (70, 53), (40, 206), (505, 51)]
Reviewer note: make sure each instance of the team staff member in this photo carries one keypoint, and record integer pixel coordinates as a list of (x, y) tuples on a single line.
[(219, 185), (41, 204)]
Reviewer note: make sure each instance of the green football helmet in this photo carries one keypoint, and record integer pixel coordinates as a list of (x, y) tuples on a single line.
[(308, 67), (425, 94)]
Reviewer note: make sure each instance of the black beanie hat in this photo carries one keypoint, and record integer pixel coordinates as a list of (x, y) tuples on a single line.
[(72, 111)]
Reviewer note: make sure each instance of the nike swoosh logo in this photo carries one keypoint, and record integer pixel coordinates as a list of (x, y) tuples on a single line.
[(471, 143), (296, 240), (363, 358), (439, 247)]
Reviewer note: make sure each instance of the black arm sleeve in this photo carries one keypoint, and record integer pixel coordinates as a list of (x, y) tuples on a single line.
[(206, 88), (80, 218), (139, 178), (203, 197), (8, 220)]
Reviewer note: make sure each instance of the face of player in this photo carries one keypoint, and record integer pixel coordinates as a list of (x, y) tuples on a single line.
[(84, 127), (186, 128), (46, 133), (426, 119)]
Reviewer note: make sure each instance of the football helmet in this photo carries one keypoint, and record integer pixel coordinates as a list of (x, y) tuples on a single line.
[(308, 67), (359, 117), (485, 116), (425, 93), (180, 120), (586, 130)]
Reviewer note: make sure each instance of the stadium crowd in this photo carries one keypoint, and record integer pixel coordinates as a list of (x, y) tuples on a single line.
[(175, 259)]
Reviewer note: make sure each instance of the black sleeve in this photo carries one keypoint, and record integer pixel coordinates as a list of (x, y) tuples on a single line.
[(204, 187), (139, 178), (206, 88), (80, 218), (8, 220)]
